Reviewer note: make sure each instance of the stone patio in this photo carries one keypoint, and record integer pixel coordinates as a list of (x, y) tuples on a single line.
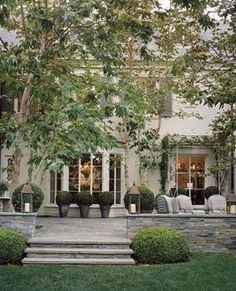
[(80, 228)]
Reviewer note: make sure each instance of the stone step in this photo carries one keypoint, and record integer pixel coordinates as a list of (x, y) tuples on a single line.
[(92, 244), (37, 252), (69, 261)]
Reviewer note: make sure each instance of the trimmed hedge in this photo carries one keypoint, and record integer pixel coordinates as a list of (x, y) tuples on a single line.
[(174, 192), (106, 198), (83, 198), (211, 190), (12, 246), (147, 199), (37, 196), (158, 245), (64, 198), (3, 187)]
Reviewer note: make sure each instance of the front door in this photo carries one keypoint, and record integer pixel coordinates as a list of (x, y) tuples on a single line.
[(190, 176)]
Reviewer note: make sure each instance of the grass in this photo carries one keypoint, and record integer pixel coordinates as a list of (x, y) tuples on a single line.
[(202, 272)]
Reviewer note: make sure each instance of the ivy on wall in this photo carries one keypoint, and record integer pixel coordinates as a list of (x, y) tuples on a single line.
[(170, 143)]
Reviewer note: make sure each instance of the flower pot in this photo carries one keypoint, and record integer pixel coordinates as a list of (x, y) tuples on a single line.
[(63, 210), (84, 210), (105, 210)]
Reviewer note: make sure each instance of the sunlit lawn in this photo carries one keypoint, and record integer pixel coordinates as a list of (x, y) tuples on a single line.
[(203, 272)]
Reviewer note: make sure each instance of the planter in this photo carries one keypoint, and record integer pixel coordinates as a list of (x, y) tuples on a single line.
[(105, 210), (63, 210), (84, 210)]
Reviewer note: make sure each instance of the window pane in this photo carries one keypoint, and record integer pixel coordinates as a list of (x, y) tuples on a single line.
[(183, 179), (52, 187), (117, 197), (74, 178), (85, 172), (183, 164), (115, 176), (97, 177)]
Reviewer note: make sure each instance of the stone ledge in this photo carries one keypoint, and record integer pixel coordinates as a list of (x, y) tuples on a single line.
[(204, 233), (180, 215), (22, 222), (33, 214)]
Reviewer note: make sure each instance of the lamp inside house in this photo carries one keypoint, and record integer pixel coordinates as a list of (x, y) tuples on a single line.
[(85, 170), (134, 199), (27, 198)]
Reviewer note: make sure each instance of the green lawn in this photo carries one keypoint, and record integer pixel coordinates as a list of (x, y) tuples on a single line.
[(203, 272)]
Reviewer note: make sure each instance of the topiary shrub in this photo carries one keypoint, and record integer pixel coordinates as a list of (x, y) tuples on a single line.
[(12, 246), (147, 199), (3, 187), (106, 198), (83, 198), (64, 198), (157, 245), (174, 192), (211, 190), (37, 197)]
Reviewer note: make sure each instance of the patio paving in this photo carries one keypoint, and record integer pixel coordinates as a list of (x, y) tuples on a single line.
[(52, 228)]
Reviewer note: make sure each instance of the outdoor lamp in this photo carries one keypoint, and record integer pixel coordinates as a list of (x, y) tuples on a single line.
[(134, 199), (231, 204), (27, 198)]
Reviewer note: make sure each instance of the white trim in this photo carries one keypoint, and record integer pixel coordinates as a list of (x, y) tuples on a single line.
[(105, 171), (65, 179)]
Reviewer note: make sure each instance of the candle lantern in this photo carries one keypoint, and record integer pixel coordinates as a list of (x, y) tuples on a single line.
[(27, 198), (134, 199), (231, 204)]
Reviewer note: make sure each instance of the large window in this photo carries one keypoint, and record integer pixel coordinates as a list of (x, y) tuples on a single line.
[(190, 176), (93, 173), (86, 175)]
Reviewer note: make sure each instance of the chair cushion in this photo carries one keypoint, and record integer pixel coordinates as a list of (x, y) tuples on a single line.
[(185, 204), (175, 205), (168, 200), (217, 204), (162, 206)]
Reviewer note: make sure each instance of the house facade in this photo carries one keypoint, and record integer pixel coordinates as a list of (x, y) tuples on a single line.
[(105, 170)]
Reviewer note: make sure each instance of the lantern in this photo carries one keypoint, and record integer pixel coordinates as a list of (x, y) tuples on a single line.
[(231, 204), (27, 198), (134, 200)]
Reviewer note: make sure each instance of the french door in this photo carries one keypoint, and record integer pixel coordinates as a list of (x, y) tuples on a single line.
[(190, 172)]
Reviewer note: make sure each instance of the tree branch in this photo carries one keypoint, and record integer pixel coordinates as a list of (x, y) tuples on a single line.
[(4, 44), (23, 18)]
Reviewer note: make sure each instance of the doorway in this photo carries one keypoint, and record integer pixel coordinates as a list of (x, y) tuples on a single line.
[(190, 175)]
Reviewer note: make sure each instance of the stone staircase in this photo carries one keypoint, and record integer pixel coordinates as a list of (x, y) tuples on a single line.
[(78, 252)]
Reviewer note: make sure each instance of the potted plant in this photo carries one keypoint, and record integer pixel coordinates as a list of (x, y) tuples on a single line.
[(211, 190), (3, 188), (37, 197), (106, 200), (84, 200), (147, 199), (63, 200)]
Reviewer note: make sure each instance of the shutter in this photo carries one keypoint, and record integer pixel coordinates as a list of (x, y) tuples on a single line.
[(168, 105), (7, 104), (105, 101)]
